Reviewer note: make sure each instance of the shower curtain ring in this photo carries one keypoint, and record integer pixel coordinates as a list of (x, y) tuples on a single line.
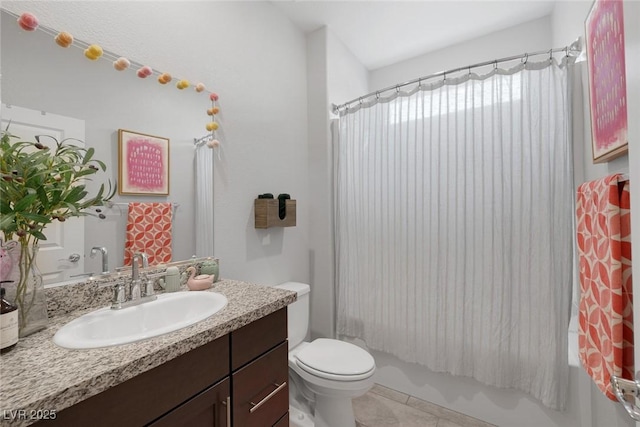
[(397, 88), (495, 64), (526, 58), (360, 100), (444, 76), (550, 54), (377, 95)]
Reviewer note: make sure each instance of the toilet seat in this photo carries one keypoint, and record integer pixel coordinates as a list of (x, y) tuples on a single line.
[(335, 360)]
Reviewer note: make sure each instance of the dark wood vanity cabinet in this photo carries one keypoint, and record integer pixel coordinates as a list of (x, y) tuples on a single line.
[(260, 372), (240, 379)]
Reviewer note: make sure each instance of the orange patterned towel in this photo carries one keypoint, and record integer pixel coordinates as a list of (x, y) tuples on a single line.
[(605, 318), (149, 231)]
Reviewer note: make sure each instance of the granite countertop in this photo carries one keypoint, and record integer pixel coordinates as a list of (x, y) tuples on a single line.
[(38, 375)]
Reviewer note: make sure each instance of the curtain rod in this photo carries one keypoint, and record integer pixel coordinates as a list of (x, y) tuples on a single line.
[(573, 48)]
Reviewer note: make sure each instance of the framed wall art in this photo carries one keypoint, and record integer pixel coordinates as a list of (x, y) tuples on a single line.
[(143, 164), (604, 30)]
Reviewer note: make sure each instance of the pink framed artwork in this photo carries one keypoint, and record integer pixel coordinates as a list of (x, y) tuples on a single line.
[(604, 30), (143, 164)]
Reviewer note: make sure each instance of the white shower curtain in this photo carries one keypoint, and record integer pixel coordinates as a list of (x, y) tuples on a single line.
[(454, 227), (204, 201)]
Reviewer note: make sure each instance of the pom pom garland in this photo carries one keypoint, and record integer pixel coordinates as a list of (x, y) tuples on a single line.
[(212, 126), (121, 63), (93, 52), (28, 22), (144, 72), (64, 39), (164, 78)]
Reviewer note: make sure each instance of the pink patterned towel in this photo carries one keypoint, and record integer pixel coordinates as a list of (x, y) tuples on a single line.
[(605, 318), (149, 231)]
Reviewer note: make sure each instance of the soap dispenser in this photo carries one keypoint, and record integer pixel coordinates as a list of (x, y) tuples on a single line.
[(212, 267), (171, 281), (8, 323)]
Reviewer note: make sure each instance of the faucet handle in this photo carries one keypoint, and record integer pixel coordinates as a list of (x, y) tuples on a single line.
[(148, 284), (119, 294)]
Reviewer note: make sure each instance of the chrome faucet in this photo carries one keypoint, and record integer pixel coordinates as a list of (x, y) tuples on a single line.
[(136, 297), (105, 257), (134, 293)]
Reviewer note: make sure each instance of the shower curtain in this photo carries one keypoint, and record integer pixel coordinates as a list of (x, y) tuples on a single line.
[(204, 201), (453, 226)]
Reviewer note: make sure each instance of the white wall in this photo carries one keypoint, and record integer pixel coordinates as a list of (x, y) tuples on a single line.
[(320, 212), (247, 52), (333, 74), (529, 37)]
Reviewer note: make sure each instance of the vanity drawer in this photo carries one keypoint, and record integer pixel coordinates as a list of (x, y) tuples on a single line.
[(261, 390), (254, 339)]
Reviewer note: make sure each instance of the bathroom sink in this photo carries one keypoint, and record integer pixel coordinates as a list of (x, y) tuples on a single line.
[(171, 311)]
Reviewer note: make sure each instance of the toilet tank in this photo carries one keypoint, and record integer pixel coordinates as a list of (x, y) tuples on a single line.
[(297, 312)]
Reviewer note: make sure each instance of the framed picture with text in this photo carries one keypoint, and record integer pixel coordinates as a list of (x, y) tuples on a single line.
[(143, 164), (604, 31)]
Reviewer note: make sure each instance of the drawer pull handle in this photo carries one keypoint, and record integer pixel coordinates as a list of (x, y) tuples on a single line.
[(255, 406), (227, 403)]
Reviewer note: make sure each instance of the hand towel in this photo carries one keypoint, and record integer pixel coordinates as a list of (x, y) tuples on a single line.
[(149, 231), (605, 317)]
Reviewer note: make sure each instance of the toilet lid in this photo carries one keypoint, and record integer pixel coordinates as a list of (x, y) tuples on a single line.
[(335, 358)]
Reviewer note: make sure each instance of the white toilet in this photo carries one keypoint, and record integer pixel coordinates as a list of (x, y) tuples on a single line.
[(325, 374)]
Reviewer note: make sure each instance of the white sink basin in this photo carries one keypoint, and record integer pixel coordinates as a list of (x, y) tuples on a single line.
[(106, 327)]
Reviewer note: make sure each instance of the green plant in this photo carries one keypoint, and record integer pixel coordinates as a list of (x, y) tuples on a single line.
[(39, 185)]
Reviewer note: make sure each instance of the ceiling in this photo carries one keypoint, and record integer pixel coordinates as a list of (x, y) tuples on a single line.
[(384, 32)]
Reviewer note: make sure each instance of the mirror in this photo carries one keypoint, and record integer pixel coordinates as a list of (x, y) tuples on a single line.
[(39, 75)]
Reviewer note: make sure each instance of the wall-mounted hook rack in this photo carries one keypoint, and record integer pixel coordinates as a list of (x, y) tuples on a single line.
[(267, 213)]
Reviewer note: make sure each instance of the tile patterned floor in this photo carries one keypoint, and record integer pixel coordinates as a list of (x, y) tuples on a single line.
[(382, 407)]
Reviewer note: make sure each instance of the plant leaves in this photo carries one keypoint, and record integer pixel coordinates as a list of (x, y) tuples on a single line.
[(25, 202), (6, 221), (38, 234)]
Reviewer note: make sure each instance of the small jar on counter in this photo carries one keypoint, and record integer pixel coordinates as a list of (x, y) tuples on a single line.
[(8, 324)]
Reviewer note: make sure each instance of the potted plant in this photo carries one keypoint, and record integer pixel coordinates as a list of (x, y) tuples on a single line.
[(39, 185)]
